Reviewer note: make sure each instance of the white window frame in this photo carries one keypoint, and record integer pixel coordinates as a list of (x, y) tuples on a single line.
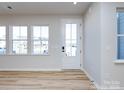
[(37, 40), (11, 38)]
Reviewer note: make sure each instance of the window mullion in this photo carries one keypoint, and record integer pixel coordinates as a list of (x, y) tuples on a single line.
[(29, 43), (19, 37), (71, 39), (40, 40)]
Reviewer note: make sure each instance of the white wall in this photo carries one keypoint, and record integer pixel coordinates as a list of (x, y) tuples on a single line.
[(51, 62), (112, 73), (100, 28), (92, 61)]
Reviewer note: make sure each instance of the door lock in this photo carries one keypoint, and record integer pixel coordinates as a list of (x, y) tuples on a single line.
[(63, 49)]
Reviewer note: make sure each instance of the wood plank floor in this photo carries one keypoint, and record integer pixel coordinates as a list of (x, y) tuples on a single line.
[(64, 80)]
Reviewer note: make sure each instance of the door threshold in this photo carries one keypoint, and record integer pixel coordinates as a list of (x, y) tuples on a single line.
[(71, 69)]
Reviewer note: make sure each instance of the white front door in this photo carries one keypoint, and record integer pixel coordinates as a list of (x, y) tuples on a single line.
[(71, 44)]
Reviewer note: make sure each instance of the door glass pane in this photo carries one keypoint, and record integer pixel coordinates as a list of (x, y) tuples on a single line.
[(71, 39), (68, 31), (74, 47), (68, 43), (74, 51), (74, 43), (68, 51), (74, 31), (19, 47)]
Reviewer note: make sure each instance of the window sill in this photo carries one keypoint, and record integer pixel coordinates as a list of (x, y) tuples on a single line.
[(119, 61), (22, 55)]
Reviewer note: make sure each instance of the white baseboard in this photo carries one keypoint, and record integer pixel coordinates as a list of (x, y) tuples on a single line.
[(91, 79), (30, 69)]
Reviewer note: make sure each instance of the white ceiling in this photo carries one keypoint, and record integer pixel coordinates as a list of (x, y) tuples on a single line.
[(43, 8)]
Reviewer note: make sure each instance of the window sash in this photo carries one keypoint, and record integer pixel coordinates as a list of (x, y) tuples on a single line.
[(40, 39), (19, 30), (120, 35), (19, 39)]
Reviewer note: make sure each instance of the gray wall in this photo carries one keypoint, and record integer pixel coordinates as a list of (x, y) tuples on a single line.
[(112, 73), (92, 63), (100, 46)]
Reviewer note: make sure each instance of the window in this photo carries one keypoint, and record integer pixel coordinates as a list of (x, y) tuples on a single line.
[(71, 39), (40, 40), (2, 39), (120, 35), (19, 39)]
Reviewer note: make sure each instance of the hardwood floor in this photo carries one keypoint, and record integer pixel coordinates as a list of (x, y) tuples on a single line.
[(65, 80)]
